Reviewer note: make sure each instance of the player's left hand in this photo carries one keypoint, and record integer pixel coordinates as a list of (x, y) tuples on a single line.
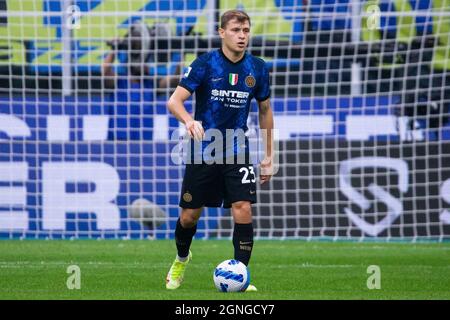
[(266, 170)]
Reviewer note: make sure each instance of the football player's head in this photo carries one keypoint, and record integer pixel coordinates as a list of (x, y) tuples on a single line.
[(235, 30)]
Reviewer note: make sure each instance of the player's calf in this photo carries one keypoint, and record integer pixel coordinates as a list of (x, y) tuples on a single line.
[(243, 242)]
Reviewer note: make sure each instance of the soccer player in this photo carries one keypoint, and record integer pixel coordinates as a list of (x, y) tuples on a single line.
[(225, 81)]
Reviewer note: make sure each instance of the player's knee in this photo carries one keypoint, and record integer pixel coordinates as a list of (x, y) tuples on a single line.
[(242, 211), (242, 206), (188, 220)]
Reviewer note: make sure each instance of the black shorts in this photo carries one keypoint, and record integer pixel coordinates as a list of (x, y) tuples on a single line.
[(210, 185)]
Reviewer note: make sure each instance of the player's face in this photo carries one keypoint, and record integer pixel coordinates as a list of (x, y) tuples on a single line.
[(235, 36)]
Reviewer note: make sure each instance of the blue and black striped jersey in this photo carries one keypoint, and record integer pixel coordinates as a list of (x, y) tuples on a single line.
[(224, 89)]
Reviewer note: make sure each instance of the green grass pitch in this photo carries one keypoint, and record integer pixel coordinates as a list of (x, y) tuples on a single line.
[(293, 269)]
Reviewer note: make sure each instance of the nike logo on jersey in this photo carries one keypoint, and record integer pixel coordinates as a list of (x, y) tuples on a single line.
[(252, 191), (216, 79)]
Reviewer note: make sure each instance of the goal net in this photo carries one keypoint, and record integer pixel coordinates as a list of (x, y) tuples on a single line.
[(360, 92)]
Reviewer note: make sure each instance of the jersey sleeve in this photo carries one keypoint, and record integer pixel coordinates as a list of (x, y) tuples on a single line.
[(263, 89), (194, 75)]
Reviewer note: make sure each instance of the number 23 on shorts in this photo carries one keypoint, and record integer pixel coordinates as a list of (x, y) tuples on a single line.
[(247, 170)]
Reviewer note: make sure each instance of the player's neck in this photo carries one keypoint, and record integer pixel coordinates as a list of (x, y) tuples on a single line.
[(231, 55)]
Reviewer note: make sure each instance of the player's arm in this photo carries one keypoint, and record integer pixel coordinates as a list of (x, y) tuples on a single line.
[(107, 70), (176, 107), (266, 125)]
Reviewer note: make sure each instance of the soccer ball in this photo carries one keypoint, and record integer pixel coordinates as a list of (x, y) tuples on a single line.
[(231, 276), (147, 213)]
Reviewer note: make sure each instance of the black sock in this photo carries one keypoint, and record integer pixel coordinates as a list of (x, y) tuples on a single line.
[(183, 238), (243, 242)]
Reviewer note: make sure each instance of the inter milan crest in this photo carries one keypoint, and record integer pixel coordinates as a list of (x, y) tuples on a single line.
[(250, 81), (233, 78), (187, 196)]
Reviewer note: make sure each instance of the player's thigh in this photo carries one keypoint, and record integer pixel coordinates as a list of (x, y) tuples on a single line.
[(201, 186), (239, 183)]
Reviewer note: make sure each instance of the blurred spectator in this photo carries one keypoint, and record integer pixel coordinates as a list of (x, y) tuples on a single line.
[(131, 103)]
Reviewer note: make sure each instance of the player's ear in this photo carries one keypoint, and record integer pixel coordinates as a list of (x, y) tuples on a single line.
[(222, 33)]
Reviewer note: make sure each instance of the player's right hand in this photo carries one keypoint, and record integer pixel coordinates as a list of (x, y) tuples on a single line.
[(195, 130)]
